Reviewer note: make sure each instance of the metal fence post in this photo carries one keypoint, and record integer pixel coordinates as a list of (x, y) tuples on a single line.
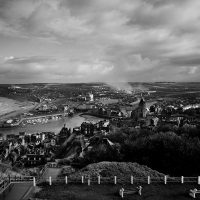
[(149, 180), (115, 180), (182, 179), (82, 179), (132, 180), (165, 180), (50, 181), (99, 180), (34, 182), (66, 180), (198, 180)]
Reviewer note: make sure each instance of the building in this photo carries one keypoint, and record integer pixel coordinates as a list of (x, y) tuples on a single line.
[(34, 160), (91, 97), (140, 111), (64, 133), (1, 137)]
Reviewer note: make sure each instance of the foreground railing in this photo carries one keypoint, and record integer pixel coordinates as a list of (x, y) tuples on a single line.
[(6, 181), (121, 180), (4, 186), (98, 180)]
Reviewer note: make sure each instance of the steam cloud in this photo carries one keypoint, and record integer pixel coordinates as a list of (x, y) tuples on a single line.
[(126, 87)]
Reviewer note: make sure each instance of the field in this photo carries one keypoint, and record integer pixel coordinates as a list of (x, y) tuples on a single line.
[(111, 192)]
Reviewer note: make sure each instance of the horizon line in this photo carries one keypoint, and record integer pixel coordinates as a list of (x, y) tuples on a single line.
[(100, 82)]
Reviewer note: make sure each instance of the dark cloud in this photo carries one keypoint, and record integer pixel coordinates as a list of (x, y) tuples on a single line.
[(88, 40), (186, 60), (160, 3), (77, 6)]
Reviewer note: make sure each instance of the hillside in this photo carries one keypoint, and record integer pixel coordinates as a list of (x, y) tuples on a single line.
[(119, 169), (6, 170)]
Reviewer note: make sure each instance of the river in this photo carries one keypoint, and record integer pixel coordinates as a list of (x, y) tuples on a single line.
[(10, 107), (51, 125)]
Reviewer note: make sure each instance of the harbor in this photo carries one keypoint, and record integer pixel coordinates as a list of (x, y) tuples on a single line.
[(53, 125)]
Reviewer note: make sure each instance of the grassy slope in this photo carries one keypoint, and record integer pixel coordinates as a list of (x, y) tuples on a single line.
[(122, 170), (110, 192)]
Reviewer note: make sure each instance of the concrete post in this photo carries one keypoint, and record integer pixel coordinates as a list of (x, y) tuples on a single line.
[(82, 179), (34, 182), (50, 180), (89, 182), (140, 190), (149, 180), (131, 180), (66, 180), (182, 179), (115, 180), (165, 180), (99, 180), (198, 180), (122, 194)]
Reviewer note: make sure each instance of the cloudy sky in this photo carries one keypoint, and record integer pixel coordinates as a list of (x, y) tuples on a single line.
[(99, 40)]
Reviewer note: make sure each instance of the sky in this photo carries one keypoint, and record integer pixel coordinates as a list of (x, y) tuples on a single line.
[(63, 41)]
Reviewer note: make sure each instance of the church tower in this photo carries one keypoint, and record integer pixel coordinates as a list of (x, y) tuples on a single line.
[(142, 109)]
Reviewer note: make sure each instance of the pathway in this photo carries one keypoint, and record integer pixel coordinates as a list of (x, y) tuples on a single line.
[(19, 191), (53, 172)]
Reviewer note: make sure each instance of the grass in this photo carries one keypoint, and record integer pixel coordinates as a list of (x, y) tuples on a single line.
[(111, 192)]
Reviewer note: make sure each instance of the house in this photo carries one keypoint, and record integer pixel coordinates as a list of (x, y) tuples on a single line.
[(1, 137), (34, 160)]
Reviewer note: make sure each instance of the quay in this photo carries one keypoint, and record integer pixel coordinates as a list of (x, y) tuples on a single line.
[(49, 116)]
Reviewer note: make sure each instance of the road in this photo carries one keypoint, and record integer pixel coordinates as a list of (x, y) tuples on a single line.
[(19, 191), (53, 172)]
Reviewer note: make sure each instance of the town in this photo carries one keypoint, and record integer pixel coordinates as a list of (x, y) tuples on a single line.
[(117, 109), (99, 99)]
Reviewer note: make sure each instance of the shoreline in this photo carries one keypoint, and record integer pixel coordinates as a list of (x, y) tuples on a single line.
[(95, 115), (84, 115), (8, 113), (11, 107)]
